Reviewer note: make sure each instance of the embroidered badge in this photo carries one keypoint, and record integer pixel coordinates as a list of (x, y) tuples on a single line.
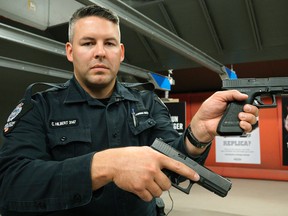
[(15, 115), (15, 112), (10, 123), (8, 126)]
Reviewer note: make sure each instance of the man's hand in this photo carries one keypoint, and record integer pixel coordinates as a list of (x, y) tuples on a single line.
[(137, 170), (204, 123)]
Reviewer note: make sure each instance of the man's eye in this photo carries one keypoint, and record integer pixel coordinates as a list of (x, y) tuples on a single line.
[(87, 44), (110, 44)]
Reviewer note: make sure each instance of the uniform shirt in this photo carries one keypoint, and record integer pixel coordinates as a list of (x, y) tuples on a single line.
[(49, 142)]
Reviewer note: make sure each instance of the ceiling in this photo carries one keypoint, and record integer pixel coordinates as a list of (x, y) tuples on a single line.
[(250, 36)]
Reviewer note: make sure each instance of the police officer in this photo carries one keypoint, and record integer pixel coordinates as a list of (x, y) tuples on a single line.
[(82, 148)]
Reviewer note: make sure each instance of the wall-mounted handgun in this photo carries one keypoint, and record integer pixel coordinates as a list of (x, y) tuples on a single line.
[(255, 88)]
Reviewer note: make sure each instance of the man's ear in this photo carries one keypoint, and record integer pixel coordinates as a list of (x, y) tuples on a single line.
[(69, 51), (122, 52)]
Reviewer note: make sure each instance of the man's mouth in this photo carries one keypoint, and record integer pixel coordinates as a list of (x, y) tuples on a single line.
[(100, 66)]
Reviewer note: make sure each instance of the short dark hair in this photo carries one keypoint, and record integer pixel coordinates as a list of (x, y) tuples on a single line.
[(91, 10)]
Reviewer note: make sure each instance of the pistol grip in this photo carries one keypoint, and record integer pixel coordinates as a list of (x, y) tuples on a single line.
[(229, 123)]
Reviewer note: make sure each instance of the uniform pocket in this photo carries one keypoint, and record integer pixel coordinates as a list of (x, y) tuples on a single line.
[(140, 123), (69, 142)]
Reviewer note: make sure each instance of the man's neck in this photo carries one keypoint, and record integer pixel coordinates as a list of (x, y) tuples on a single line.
[(100, 92)]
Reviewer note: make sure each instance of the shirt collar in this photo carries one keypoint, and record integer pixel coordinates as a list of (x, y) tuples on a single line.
[(123, 92), (77, 94)]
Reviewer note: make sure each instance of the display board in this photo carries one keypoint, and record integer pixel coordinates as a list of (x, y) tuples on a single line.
[(178, 115)]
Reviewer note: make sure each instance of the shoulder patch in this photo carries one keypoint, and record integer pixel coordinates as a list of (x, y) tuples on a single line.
[(22, 108), (25, 104), (15, 112)]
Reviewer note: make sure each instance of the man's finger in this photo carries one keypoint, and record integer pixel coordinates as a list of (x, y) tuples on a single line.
[(180, 168), (163, 181), (145, 195)]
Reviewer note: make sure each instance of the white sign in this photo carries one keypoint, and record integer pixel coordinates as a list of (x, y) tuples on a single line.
[(236, 149)]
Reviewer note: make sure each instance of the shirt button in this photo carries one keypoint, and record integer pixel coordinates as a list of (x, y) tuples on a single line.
[(63, 139), (150, 122), (40, 205), (77, 198), (114, 135)]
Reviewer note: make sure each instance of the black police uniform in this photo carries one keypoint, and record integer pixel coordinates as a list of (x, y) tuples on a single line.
[(49, 141)]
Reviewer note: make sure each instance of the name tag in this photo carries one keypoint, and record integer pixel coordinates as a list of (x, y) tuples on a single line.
[(63, 123)]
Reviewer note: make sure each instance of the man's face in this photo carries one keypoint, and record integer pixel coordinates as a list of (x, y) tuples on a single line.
[(96, 52)]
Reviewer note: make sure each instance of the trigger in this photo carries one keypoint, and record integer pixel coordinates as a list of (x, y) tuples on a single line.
[(258, 101), (175, 179), (274, 100)]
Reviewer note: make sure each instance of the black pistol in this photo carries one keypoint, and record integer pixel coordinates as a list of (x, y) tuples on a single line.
[(208, 179), (256, 89)]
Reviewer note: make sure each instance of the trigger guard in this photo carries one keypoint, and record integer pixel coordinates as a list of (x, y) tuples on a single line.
[(176, 179), (185, 190)]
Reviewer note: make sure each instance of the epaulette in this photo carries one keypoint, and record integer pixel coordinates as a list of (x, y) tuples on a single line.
[(25, 104), (140, 86), (29, 90)]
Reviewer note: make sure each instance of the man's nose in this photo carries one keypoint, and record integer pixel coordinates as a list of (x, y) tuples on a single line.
[(99, 51)]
